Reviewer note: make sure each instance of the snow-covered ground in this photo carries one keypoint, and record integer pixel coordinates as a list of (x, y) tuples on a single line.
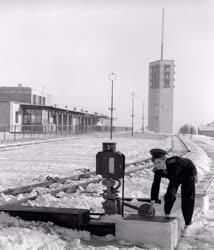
[(32, 163), (29, 164)]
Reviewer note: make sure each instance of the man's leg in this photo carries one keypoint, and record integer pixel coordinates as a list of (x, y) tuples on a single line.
[(170, 196), (188, 199)]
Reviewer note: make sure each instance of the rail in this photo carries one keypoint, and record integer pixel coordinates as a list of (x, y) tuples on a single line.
[(71, 188)]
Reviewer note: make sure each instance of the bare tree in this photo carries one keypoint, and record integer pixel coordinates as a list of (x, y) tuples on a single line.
[(187, 129)]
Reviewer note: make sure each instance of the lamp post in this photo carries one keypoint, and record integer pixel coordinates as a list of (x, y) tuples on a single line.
[(143, 119), (112, 77), (132, 115)]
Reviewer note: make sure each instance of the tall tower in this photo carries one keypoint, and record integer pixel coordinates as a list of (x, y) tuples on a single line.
[(161, 88)]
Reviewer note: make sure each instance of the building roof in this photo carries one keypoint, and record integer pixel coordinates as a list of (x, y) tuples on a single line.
[(207, 127), (162, 61), (52, 108)]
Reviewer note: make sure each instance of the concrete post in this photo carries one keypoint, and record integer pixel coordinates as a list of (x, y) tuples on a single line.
[(67, 121), (57, 122)]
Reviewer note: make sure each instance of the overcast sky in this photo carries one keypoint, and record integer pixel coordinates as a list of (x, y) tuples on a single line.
[(68, 48)]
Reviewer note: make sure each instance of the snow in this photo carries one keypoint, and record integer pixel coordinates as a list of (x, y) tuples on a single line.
[(32, 163), (198, 156)]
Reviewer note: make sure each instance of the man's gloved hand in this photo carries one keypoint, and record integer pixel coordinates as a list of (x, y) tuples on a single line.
[(154, 169), (146, 209)]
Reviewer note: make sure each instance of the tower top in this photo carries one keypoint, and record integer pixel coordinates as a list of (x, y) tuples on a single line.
[(162, 35)]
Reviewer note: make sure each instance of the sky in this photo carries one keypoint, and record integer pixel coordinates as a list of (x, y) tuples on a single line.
[(68, 48)]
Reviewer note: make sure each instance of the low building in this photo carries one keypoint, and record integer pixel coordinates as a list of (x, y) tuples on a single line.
[(25, 95), (207, 129), (22, 109)]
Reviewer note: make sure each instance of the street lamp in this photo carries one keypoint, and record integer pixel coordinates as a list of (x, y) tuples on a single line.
[(112, 77), (132, 115), (143, 119)]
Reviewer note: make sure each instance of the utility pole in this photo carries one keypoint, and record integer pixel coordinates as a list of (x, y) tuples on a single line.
[(143, 118), (112, 77), (162, 35), (132, 115)]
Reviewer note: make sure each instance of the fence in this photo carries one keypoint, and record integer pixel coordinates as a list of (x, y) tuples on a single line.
[(24, 132)]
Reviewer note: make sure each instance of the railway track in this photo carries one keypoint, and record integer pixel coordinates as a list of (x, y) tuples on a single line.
[(72, 183)]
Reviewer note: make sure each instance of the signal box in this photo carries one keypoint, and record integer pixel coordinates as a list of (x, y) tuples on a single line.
[(109, 163)]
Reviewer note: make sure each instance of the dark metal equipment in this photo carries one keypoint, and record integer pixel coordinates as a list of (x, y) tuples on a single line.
[(110, 164), (74, 218), (145, 209), (66, 217)]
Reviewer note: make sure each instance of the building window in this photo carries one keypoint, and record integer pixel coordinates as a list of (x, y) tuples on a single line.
[(36, 116), (32, 116), (43, 100), (17, 117), (26, 119), (166, 83), (54, 119), (166, 68), (34, 99), (40, 100), (155, 76), (166, 75)]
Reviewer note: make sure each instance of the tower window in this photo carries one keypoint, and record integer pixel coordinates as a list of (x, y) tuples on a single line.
[(155, 76), (17, 117), (166, 83), (166, 68), (166, 75)]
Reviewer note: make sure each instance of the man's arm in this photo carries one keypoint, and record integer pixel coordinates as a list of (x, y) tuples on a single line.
[(155, 186)]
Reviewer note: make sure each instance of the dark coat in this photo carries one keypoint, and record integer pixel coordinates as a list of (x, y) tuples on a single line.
[(178, 169)]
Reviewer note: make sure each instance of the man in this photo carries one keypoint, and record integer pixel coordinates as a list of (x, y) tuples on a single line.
[(179, 171)]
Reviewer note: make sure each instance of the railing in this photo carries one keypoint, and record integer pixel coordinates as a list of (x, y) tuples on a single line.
[(20, 132)]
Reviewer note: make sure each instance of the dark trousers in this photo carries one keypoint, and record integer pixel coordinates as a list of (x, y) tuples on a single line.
[(187, 197)]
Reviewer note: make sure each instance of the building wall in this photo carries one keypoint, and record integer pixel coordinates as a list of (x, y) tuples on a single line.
[(166, 96), (75, 121), (25, 95), (104, 121), (153, 112), (17, 94), (206, 132), (4, 114), (40, 98), (166, 111), (45, 117), (15, 117), (160, 104)]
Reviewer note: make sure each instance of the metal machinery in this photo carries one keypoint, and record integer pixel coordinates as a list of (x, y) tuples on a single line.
[(110, 164)]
